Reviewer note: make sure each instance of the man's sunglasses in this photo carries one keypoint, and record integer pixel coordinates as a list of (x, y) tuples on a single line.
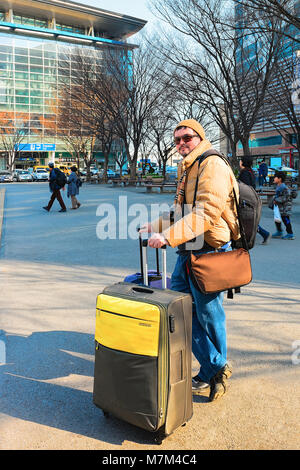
[(186, 138)]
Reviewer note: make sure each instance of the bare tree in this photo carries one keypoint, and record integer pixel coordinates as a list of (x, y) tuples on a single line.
[(13, 133), (82, 121), (214, 66), (286, 11), (282, 105), (161, 136)]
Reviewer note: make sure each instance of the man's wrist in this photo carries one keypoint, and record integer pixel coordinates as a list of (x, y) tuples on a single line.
[(167, 242)]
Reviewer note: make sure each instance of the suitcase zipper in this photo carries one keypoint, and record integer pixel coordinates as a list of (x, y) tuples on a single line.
[(121, 315), (162, 364)]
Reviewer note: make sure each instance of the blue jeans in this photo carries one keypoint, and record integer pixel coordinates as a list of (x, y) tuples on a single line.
[(263, 232), (209, 342)]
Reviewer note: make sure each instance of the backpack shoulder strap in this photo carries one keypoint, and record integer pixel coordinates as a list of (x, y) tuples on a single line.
[(200, 159)]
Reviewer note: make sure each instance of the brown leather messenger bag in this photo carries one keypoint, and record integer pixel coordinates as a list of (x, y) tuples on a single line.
[(220, 271)]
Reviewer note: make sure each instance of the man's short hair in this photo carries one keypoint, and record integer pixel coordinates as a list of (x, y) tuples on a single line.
[(51, 165), (280, 174)]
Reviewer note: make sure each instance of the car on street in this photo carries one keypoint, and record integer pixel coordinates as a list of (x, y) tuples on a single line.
[(40, 167), (65, 169), (40, 175), (6, 176), (15, 172), (171, 169), (110, 173), (24, 175), (290, 172)]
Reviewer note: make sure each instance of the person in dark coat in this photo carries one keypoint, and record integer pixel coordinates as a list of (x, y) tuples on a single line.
[(247, 176), (262, 172), (283, 200), (55, 190), (73, 187)]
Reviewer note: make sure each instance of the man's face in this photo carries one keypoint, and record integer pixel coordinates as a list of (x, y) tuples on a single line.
[(192, 140)]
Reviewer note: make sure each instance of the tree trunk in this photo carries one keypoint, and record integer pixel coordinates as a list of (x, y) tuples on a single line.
[(88, 168), (246, 147), (132, 165), (11, 160), (164, 164), (106, 157)]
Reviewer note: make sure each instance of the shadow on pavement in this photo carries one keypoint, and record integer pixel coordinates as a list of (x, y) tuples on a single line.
[(31, 362)]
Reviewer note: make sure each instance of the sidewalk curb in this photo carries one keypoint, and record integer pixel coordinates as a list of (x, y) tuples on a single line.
[(2, 200)]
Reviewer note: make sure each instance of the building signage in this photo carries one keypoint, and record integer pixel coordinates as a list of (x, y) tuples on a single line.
[(35, 147)]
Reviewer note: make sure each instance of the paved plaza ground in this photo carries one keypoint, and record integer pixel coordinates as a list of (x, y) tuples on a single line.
[(53, 265)]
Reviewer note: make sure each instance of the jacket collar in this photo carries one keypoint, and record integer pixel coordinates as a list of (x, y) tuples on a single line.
[(191, 157)]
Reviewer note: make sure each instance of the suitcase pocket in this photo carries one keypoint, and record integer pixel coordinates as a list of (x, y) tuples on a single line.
[(130, 392), (131, 364), (127, 325)]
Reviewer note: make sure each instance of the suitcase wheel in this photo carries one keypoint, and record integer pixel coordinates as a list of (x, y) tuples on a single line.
[(105, 413), (159, 437)]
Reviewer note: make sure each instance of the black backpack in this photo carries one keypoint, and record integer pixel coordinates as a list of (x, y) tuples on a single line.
[(249, 204), (61, 179)]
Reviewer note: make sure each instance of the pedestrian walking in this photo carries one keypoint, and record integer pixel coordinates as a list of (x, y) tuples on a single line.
[(74, 183), (211, 182), (247, 176), (57, 181), (262, 172), (283, 200)]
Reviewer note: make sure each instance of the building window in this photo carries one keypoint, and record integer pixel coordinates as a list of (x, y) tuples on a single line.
[(264, 141), (70, 29), (29, 21)]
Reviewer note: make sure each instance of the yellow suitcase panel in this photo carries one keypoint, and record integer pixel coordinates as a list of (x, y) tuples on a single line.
[(127, 325)]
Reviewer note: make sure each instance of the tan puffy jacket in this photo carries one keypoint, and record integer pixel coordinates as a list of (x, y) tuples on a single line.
[(214, 214)]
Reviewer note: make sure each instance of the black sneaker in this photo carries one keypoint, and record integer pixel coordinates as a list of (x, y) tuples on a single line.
[(266, 239), (46, 208), (218, 383), (198, 385), (63, 210)]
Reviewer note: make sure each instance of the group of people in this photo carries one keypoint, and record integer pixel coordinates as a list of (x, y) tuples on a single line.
[(55, 186), (262, 172), (282, 201)]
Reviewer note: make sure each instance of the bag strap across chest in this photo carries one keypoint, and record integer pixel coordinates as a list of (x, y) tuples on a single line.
[(200, 160)]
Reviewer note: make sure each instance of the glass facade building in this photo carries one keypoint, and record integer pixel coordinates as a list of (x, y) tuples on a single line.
[(33, 43)]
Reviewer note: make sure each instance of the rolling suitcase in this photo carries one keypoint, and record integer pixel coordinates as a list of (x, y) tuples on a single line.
[(154, 276), (143, 372)]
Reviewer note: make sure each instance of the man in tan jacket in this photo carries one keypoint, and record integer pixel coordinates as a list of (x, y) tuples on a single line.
[(207, 214)]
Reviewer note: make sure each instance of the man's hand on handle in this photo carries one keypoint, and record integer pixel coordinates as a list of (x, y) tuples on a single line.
[(157, 240), (147, 228)]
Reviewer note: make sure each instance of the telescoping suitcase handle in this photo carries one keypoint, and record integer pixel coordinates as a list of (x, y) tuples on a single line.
[(144, 262)]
